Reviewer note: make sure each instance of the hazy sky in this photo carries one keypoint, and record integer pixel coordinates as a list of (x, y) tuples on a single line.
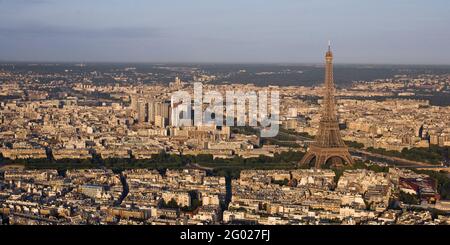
[(362, 31)]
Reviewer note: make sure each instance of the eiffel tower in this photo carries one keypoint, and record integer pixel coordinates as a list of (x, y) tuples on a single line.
[(328, 148)]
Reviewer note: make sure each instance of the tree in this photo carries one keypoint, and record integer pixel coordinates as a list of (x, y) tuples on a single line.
[(409, 198), (281, 182), (354, 144), (204, 158), (172, 204)]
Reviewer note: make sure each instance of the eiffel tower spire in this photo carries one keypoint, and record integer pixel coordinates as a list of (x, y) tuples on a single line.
[(328, 148)]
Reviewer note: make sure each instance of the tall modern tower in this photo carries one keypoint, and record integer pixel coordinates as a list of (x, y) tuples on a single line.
[(328, 147)]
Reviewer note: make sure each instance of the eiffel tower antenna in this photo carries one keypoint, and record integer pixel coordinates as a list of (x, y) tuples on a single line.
[(328, 147)]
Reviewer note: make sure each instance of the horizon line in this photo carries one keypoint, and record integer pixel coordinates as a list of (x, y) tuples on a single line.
[(4, 62)]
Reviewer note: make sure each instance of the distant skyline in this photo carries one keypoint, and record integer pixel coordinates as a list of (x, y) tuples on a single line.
[(225, 31)]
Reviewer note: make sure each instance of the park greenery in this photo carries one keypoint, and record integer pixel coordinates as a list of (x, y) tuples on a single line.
[(223, 167), (433, 154)]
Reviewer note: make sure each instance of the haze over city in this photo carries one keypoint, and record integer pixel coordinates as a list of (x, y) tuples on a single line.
[(387, 32)]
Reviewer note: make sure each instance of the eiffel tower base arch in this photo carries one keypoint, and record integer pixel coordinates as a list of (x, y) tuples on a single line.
[(322, 156)]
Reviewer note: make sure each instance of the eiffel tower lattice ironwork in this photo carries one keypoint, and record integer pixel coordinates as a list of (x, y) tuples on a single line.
[(328, 147)]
